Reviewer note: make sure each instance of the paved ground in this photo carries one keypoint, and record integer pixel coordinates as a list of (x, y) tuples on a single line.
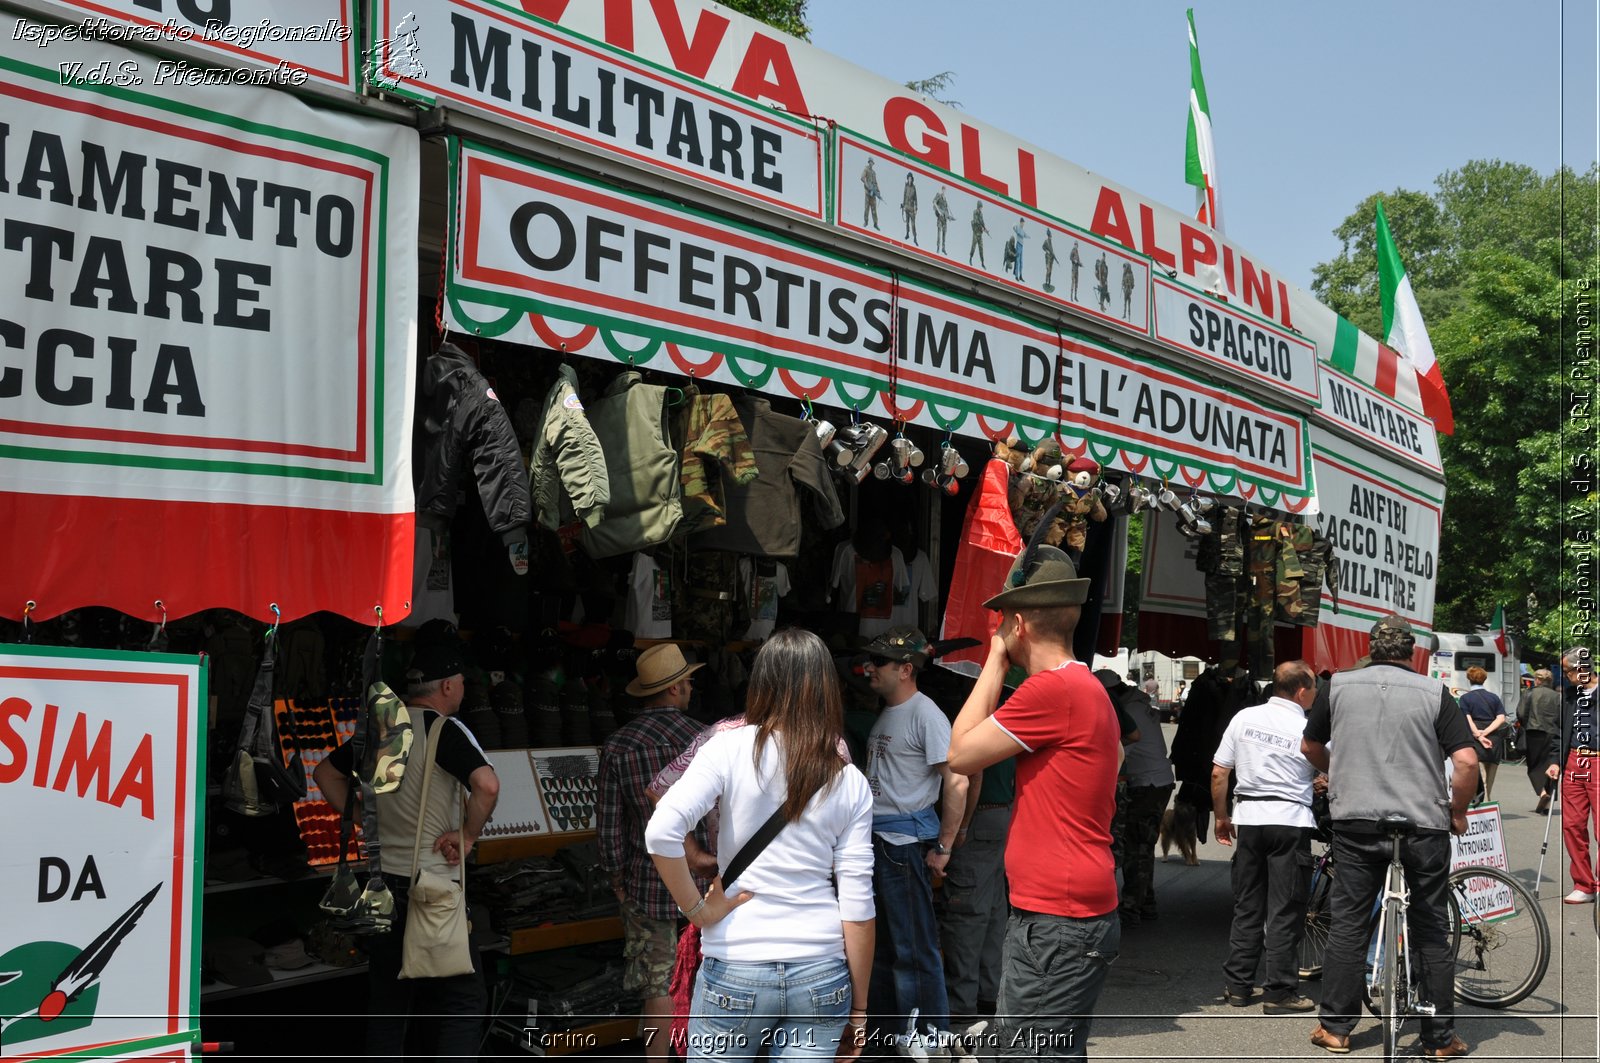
[(1163, 998)]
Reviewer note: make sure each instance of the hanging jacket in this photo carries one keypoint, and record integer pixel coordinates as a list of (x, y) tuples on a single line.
[(715, 445), (764, 515), (463, 422), (568, 455), (630, 420)]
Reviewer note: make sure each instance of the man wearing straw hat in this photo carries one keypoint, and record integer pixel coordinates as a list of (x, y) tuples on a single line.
[(629, 760), (1063, 933)]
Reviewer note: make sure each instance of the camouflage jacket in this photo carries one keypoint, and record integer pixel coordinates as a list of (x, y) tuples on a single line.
[(714, 444)]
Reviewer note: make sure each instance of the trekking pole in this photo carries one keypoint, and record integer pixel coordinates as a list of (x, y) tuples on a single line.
[(1544, 846)]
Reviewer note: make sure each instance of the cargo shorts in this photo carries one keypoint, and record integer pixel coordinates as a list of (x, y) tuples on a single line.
[(650, 948)]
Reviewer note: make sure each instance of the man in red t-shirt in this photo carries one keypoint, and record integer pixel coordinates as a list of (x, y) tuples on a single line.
[(1064, 933)]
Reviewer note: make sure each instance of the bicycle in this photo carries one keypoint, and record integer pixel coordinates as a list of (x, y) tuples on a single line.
[(1500, 938)]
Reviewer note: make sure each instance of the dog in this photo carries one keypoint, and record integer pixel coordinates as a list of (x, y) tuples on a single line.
[(1178, 828)]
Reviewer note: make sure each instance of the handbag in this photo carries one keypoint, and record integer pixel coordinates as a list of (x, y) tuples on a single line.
[(436, 935), (687, 964)]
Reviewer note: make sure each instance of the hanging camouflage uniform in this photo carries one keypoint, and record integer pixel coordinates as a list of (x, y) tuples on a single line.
[(1262, 560), (713, 441), (1322, 566), (709, 605), (1294, 542), (1221, 558)]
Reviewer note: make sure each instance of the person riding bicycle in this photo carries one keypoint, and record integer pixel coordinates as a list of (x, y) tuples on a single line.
[(1388, 729)]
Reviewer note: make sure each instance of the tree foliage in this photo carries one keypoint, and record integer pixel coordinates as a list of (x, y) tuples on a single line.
[(1496, 255), (936, 87), (786, 15)]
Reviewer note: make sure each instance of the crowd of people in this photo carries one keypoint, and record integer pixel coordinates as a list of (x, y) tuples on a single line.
[(807, 878)]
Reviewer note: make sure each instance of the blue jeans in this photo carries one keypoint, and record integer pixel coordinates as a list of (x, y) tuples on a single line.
[(789, 1010), (907, 972), (1054, 970)]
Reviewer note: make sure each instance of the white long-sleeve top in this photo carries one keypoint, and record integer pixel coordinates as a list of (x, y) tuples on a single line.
[(795, 914)]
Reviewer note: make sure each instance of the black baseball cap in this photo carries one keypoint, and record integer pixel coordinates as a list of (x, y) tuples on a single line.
[(435, 660)]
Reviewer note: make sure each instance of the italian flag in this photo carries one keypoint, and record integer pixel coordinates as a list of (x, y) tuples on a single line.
[(1497, 627), (1200, 164), (1403, 330)]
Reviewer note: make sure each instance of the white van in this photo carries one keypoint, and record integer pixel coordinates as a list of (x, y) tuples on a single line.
[(1454, 654)]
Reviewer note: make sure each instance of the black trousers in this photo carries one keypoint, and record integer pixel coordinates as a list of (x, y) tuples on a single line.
[(1271, 881), (438, 1018), (1538, 757), (1361, 863)]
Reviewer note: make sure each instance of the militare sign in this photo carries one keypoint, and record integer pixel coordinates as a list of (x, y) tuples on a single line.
[(495, 60), (206, 346), (1384, 521), (1378, 421), (636, 278), (293, 42), (732, 51), (99, 913)]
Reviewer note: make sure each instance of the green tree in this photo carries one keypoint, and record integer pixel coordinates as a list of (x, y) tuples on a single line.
[(1497, 257), (786, 15), (936, 87)]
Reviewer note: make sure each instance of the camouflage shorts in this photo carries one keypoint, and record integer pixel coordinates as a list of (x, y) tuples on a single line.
[(650, 947)]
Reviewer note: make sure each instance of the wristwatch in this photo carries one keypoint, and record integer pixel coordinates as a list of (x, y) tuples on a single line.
[(939, 847)]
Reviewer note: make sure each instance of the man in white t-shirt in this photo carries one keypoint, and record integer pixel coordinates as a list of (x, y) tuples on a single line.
[(1272, 860), (912, 831)]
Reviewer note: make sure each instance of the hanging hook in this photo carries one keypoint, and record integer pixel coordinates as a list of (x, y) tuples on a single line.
[(379, 610), (277, 617), (27, 621)]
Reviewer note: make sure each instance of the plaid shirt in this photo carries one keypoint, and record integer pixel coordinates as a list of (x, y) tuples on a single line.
[(630, 759)]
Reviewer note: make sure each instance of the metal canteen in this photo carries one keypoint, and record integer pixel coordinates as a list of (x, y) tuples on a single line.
[(951, 463), (1138, 498), (907, 453), (841, 449), (1110, 493), (869, 439), (824, 430), (1168, 498)]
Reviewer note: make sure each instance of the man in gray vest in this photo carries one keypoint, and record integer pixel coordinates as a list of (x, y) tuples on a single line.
[(1390, 731)]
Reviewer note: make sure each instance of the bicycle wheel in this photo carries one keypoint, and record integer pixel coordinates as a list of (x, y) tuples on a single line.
[(1314, 939), (1503, 949), (1395, 996)]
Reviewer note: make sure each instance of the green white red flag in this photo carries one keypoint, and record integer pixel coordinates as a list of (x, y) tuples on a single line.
[(1497, 627), (1403, 330), (1200, 162)]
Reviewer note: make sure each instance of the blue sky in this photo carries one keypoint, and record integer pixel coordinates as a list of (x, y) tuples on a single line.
[(1315, 105)]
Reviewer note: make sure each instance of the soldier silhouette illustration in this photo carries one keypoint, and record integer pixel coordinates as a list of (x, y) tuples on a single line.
[(1048, 250), (869, 182), (908, 208), (941, 220), (979, 228), (1019, 234), (1077, 263), (1102, 279), (1127, 290)]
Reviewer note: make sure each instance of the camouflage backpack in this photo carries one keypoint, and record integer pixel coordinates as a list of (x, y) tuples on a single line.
[(389, 744)]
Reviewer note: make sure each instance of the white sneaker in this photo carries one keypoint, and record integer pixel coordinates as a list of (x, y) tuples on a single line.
[(1578, 897)]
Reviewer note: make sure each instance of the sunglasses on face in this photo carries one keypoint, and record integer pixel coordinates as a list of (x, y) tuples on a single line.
[(881, 662)]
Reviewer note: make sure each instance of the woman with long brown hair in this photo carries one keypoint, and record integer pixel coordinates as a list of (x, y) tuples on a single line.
[(788, 952)]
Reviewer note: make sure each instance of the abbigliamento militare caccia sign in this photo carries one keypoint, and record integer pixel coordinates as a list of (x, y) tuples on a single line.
[(207, 308)]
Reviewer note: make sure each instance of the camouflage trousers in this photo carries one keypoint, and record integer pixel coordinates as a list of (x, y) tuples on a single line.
[(1141, 830), (650, 948)]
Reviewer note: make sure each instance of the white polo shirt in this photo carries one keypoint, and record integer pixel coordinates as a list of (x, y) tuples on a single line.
[(1262, 745)]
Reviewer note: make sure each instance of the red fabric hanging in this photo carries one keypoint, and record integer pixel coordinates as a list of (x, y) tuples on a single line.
[(990, 544)]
